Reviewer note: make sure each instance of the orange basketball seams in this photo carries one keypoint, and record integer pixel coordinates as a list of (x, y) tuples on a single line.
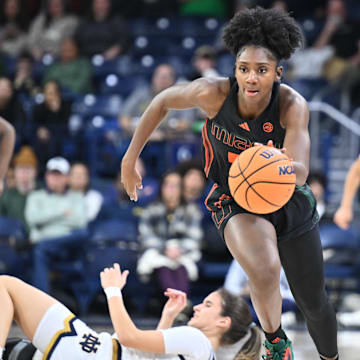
[(262, 179)]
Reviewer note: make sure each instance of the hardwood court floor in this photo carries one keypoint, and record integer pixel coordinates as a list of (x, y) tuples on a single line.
[(304, 349)]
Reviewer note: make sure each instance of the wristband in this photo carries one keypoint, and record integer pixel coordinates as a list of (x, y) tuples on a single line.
[(112, 291)]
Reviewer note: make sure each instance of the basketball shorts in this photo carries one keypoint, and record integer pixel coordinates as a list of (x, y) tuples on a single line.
[(295, 218), (62, 336)]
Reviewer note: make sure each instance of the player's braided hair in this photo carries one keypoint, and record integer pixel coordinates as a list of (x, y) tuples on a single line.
[(273, 29)]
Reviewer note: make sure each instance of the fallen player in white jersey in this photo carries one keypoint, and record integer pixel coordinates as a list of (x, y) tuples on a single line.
[(220, 320)]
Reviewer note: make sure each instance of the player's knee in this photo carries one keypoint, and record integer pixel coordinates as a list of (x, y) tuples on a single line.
[(266, 276)]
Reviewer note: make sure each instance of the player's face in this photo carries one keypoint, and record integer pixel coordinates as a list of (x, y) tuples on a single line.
[(207, 315), (256, 72)]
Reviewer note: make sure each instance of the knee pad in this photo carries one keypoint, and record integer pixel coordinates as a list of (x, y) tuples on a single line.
[(18, 349)]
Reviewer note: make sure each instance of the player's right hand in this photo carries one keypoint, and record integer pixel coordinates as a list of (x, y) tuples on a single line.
[(343, 217), (131, 179), (113, 276)]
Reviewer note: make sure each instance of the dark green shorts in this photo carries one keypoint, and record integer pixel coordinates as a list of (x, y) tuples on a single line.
[(295, 218)]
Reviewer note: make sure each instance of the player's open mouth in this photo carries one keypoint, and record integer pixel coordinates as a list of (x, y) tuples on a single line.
[(251, 92)]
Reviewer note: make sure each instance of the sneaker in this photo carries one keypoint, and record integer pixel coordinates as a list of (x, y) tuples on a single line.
[(281, 350)]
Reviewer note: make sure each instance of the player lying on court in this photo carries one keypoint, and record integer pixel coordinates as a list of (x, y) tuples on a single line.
[(253, 106), (220, 320)]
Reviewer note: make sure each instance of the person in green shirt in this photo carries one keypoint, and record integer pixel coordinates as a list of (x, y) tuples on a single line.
[(72, 72)]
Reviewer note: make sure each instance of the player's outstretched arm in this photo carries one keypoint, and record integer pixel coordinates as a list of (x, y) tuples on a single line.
[(113, 280), (344, 214), (7, 134), (199, 93)]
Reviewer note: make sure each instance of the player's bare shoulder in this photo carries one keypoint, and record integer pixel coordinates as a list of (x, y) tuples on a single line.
[(289, 97), (290, 101), (211, 93)]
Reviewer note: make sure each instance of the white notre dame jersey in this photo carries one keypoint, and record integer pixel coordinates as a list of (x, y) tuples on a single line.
[(62, 336)]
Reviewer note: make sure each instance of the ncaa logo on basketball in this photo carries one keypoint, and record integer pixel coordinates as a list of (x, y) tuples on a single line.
[(268, 127), (286, 170)]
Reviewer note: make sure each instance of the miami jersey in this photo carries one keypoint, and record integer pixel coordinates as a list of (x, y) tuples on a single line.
[(226, 135)]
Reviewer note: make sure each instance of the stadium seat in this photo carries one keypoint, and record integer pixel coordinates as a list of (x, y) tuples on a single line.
[(103, 105), (342, 255)]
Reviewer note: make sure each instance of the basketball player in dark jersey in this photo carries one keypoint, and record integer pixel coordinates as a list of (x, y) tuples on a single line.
[(254, 107)]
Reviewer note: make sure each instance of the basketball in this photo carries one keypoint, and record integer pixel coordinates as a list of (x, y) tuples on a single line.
[(262, 179)]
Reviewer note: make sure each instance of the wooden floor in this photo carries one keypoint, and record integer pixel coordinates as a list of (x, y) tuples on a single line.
[(304, 349)]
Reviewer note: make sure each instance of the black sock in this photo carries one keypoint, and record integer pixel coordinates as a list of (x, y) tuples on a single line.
[(279, 333)]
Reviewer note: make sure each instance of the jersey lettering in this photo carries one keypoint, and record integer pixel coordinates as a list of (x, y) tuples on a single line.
[(286, 170), (228, 138)]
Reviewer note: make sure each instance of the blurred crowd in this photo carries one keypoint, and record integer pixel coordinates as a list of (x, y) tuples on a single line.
[(75, 77)]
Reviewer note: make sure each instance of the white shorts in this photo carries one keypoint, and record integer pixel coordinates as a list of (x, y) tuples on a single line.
[(62, 336)]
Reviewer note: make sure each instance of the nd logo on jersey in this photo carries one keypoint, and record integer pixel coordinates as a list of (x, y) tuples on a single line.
[(90, 343)]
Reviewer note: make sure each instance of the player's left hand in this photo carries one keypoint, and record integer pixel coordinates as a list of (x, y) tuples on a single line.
[(271, 144), (113, 276), (175, 304)]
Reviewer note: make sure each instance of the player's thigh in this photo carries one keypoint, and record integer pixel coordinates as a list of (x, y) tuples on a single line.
[(252, 241), (30, 304)]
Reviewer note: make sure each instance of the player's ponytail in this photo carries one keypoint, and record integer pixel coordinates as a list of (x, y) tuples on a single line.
[(242, 336), (251, 349)]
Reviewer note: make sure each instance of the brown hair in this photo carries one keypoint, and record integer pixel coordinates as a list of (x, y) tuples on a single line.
[(241, 322)]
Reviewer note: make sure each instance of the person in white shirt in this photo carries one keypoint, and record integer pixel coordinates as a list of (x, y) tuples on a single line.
[(79, 180), (220, 320), (237, 283)]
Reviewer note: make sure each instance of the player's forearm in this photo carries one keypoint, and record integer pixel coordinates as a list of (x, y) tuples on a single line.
[(148, 123), (124, 327), (351, 186), (7, 143), (165, 322)]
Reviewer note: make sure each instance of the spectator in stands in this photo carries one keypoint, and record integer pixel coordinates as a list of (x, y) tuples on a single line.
[(13, 200), (57, 220), (103, 32), (50, 28), (333, 57), (24, 82), (194, 182), (51, 123), (13, 27), (177, 122), (79, 180), (236, 281), (342, 34), (170, 236), (204, 63), (72, 72), (217, 8), (12, 109)]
